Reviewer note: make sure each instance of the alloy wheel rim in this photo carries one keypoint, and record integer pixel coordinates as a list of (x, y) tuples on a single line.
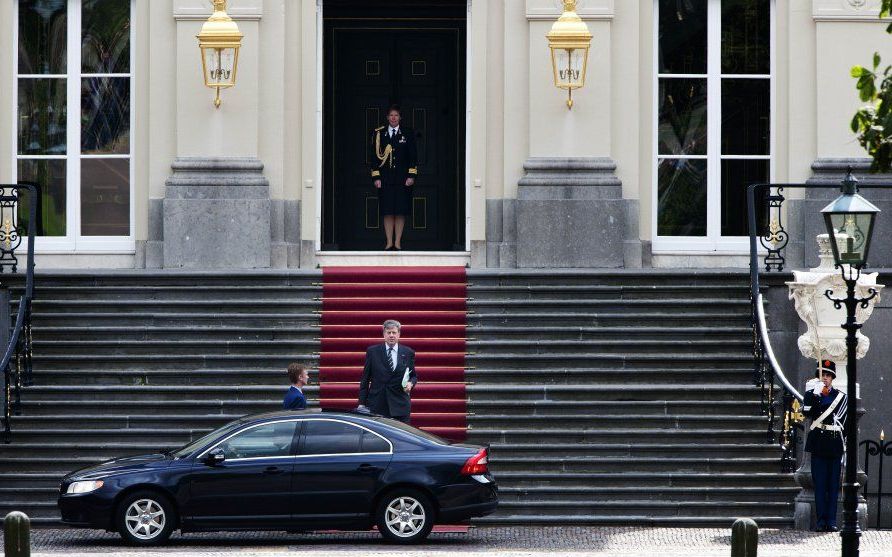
[(404, 517), (145, 519)]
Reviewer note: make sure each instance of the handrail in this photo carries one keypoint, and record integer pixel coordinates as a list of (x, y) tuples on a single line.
[(769, 351), (16, 365)]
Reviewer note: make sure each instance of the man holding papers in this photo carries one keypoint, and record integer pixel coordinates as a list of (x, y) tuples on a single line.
[(388, 376)]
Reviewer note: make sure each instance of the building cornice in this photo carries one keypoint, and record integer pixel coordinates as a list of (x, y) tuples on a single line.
[(590, 10), (845, 10), (200, 10)]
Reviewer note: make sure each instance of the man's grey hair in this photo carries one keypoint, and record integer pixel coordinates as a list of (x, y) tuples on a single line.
[(392, 323)]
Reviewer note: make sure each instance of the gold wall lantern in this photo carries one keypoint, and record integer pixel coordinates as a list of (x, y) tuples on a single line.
[(569, 41), (219, 41)]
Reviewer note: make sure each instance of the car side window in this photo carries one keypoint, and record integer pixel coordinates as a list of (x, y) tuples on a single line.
[(372, 443), (262, 441), (333, 437)]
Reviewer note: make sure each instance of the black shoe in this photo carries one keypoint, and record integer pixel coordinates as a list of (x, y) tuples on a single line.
[(832, 529), (388, 248)]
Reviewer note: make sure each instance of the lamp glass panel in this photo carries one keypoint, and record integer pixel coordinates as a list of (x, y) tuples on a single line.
[(569, 67), (857, 228), (218, 66)]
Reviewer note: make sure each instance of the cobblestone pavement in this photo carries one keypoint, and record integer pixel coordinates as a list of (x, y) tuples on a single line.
[(503, 541)]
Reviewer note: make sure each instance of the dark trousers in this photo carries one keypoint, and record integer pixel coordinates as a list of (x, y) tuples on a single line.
[(825, 473), (404, 419)]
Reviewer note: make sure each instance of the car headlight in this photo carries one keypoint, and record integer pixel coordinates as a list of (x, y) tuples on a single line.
[(85, 487)]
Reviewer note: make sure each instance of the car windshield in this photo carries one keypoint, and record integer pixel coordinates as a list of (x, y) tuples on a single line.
[(210, 437)]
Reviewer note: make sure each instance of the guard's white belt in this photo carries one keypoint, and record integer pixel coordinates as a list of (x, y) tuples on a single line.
[(829, 427)]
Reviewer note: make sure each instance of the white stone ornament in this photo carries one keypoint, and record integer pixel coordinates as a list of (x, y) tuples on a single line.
[(824, 337)]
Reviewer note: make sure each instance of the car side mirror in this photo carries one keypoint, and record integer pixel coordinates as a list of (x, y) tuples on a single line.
[(215, 456)]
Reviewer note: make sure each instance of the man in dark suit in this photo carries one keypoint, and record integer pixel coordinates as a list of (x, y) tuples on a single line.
[(388, 376), (394, 168), (826, 407)]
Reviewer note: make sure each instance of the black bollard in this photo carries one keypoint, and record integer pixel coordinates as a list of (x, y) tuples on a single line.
[(17, 535), (744, 538)]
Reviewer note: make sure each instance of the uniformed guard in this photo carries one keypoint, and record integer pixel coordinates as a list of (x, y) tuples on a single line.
[(394, 168), (826, 407)]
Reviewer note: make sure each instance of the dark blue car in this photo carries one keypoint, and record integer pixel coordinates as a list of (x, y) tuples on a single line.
[(292, 470)]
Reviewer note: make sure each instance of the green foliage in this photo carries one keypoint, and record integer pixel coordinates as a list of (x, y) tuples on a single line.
[(873, 122)]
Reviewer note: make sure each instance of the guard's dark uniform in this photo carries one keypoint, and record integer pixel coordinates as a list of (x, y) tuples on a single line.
[(825, 443), (393, 160)]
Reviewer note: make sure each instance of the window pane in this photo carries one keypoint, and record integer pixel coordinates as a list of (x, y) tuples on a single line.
[(42, 112), (324, 437), (746, 44), (736, 176), (105, 115), (263, 441), (105, 36), (371, 443), (682, 114), (746, 116), (681, 209), (42, 38), (105, 197), (49, 175), (682, 46)]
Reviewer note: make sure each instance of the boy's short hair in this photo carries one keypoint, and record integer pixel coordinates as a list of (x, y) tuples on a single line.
[(295, 370)]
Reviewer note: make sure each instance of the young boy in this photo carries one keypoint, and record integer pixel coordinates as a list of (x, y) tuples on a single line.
[(294, 398)]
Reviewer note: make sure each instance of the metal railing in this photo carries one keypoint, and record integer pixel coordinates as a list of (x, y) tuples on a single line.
[(873, 488), (16, 363)]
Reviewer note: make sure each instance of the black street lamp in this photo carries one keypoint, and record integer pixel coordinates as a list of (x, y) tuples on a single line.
[(849, 219)]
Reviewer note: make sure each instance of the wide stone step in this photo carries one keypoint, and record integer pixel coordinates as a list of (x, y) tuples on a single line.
[(25, 481), (165, 361), (632, 346), (599, 408), (601, 291), (175, 277), (138, 306), (185, 333), (482, 435), (643, 449), (183, 318), (174, 437), (627, 318), (181, 407), (646, 508), (586, 421), (571, 359), (574, 463), (34, 509), (659, 305), (635, 391), (192, 348), (668, 494), (307, 291), (532, 331), (606, 375), (619, 519), (619, 277), (596, 480), (124, 422)]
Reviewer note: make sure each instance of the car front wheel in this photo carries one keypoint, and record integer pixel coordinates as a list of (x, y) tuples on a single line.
[(405, 516), (145, 518)]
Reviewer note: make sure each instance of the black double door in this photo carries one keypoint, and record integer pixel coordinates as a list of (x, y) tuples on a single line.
[(369, 67)]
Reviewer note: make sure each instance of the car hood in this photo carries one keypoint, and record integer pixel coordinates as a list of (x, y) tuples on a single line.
[(121, 466)]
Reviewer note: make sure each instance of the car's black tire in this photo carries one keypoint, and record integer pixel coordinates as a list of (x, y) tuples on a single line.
[(145, 518), (405, 516)]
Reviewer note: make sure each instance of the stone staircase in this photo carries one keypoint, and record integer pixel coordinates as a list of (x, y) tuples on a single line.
[(621, 398), (606, 397)]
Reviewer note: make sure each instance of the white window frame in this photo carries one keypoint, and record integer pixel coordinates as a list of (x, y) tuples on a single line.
[(73, 241), (713, 242)]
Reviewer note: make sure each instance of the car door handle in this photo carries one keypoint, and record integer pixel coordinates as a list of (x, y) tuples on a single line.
[(367, 468), (272, 470)]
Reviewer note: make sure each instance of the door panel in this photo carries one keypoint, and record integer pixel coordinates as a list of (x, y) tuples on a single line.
[(367, 69)]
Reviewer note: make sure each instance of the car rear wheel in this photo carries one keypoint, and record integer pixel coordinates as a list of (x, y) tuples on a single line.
[(145, 518), (405, 516)]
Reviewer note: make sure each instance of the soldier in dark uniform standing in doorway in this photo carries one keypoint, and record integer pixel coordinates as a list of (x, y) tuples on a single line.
[(394, 168), (826, 407)]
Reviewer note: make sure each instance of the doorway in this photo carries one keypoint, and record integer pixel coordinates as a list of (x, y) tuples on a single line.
[(378, 53)]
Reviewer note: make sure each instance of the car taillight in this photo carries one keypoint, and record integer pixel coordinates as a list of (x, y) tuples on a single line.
[(477, 464)]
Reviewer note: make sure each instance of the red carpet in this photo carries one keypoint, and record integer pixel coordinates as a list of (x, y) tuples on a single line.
[(430, 303)]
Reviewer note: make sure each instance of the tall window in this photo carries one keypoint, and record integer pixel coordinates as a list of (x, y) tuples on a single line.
[(713, 110), (73, 134)]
